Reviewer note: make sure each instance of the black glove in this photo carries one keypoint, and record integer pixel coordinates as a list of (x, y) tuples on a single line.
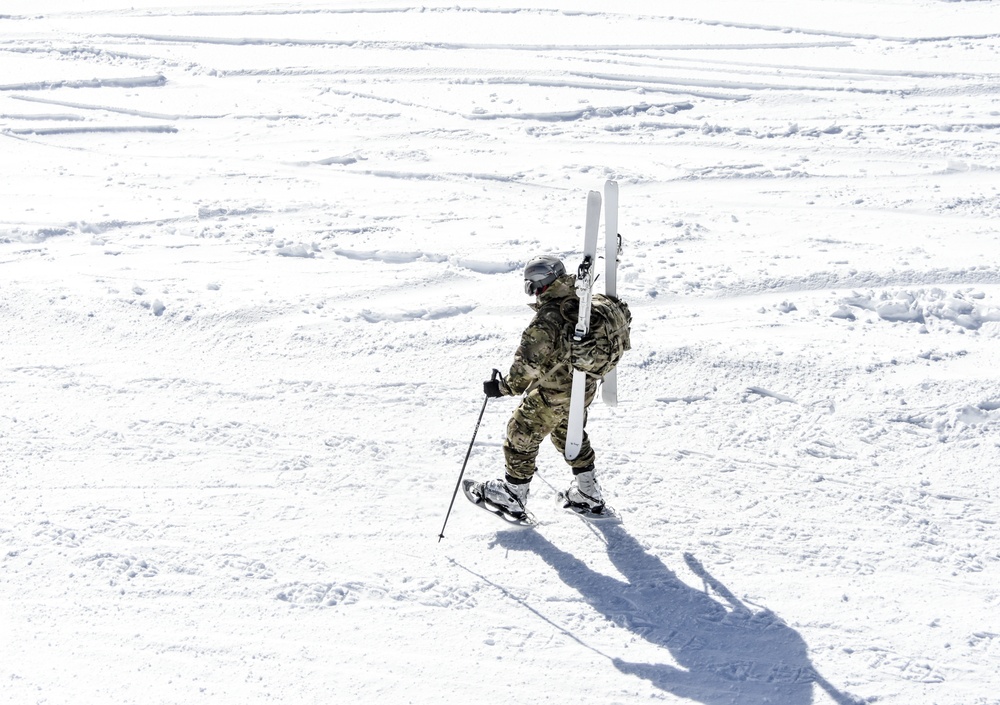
[(491, 388)]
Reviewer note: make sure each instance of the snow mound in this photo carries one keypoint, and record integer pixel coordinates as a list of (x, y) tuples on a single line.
[(963, 308)]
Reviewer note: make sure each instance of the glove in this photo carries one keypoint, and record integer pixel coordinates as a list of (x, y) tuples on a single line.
[(491, 388)]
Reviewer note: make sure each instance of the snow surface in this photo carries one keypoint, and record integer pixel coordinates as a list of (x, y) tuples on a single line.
[(257, 258)]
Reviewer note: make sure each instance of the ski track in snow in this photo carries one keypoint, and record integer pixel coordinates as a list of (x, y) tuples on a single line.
[(256, 262)]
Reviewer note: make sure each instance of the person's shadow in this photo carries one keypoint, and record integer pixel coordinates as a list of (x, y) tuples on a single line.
[(725, 653)]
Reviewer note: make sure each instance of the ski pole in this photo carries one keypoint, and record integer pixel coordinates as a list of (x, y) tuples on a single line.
[(496, 373)]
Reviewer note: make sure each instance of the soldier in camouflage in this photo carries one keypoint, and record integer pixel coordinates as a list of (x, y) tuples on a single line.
[(542, 372)]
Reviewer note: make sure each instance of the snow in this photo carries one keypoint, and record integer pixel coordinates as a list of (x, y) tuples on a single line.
[(257, 258)]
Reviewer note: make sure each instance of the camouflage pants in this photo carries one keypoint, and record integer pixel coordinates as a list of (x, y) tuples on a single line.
[(532, 421)]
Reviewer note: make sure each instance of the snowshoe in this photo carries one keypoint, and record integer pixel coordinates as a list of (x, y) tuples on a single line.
[(569, 502), (476, 493)]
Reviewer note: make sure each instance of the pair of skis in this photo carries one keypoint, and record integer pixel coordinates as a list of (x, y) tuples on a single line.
[(585, 277)]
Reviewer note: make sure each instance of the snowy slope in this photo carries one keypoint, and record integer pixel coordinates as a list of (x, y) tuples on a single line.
[(257, 258)]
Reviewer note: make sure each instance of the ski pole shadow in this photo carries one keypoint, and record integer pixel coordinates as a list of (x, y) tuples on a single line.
[(721, 652)]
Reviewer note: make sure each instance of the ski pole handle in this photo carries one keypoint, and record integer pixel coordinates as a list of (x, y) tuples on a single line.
[(491, 387)]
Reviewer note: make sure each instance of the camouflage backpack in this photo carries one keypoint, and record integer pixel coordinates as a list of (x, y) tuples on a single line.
[(608, 339)]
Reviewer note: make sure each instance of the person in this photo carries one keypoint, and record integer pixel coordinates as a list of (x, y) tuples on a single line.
[(543, 373)]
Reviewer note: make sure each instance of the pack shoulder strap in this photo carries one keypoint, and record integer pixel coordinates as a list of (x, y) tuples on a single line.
[(545, 377)]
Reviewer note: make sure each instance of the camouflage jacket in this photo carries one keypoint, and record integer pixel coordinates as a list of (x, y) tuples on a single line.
[(542, 360)]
